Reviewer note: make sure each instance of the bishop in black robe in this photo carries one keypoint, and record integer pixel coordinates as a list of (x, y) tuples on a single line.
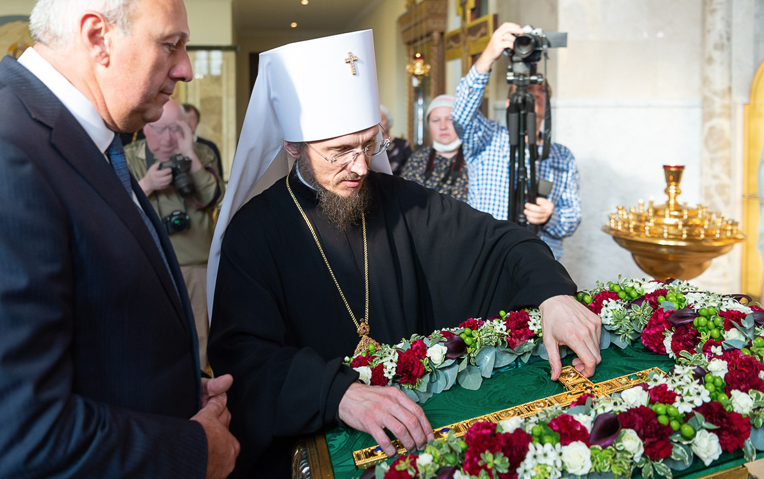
[(280, 327)]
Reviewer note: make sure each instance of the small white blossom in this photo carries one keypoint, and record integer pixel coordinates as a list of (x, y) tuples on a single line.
[(706, 446), (635, 397), (734, 333), (534, 323), (667, 344), (424, 460), (716, 350), (609, 308), (364, 374), (730, 304), (718, 367), (741, 402), (577, 458), (509, 425), (761, 375), (650, 286), (632, 443), (437, 354)]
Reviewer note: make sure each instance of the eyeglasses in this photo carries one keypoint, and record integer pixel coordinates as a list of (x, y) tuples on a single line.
[(347, 157), (161, 130)]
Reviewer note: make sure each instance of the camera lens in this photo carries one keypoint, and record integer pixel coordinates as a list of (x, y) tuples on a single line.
[(525, 45)]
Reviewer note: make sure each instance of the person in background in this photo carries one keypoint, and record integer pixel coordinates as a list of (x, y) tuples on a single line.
[(440, 167), (179, 178), (399, 150), (486, 151), (193, 117), (99, 371)]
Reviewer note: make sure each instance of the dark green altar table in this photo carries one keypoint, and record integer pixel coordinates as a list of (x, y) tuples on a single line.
[(505, 389)]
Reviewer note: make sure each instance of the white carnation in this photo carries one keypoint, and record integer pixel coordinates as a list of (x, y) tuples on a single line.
[(632, 443), (635, 397), (706, 446), (741, 402), (734, 333), (509, 425), (424, 460), (577, 458), (437, 354), (364, 373), (718, 368)]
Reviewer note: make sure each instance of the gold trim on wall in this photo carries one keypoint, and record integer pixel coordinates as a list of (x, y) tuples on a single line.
[(752, 267)]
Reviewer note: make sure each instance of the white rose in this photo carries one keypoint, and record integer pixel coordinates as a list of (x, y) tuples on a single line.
[(718, 367), (437, 354), (706, 446), (667, 344), (635, 397), (650, 286), (459, 475), (585, 420), (741, 402), (632, 443), (734, 333), (364, 374), (577, 458), (424, 460), (509, 425)]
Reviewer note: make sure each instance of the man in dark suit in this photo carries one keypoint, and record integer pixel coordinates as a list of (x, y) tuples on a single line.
[(99, 373)]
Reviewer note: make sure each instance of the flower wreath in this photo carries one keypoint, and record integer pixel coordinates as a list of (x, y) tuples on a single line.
[(711, 401)]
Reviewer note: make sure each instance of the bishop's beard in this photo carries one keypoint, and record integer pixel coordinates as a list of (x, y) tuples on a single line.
[(340, 211)]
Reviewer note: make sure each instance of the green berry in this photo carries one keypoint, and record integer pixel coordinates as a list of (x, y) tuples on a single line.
[(580, 295), (718, 382), (703, 312), (502, 313), (746, 351), (547, 439), (711, 388), (687, 431), (536, 431), (672, 411), (702, 322), (463, 445), (664, 420), (719, 322), (661, 299), (622, 295), (675, 425), (711, 311), (633, 294), (469, 341), (708, 378), (616, 288), (715, 333), (695, 322), (722, 396), (587, 299), (758, 342), (468, 331), (660, 409), (450, 458)]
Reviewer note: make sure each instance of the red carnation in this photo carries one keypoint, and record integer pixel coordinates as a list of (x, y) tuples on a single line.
[(710, 343), (581, 401), (517, 320), (569, 429), (685, 338), (482, 437), (410, 367), (731, 315), (652, 298), (419, 348), (662, 394), (471, 323), (518, 336), (653, 334), (378, 376), (743, 372), (515, 448), (399, 468), (360, 361), (756, 308), (600, 298), (447, 334), (733, 430), (654, 435)]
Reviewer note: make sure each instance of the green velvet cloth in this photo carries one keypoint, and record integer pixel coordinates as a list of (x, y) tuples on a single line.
[(510, 388)]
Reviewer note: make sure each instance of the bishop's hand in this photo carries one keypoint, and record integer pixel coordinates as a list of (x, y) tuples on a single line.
[(565, 321), (372, 409)]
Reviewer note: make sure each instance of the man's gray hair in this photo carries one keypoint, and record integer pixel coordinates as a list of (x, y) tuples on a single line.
[(54, 23)]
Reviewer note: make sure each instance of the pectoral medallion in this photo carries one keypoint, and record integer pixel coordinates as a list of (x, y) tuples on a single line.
[(363, 344)]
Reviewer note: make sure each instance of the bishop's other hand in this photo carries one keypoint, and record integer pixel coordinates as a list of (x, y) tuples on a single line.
[(372, 409), (565, 321)]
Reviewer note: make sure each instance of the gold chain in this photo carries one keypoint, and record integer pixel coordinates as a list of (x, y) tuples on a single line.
[(365, 319)]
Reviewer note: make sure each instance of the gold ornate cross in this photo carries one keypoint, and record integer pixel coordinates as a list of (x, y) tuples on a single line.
[(574, 383), (351, 59)]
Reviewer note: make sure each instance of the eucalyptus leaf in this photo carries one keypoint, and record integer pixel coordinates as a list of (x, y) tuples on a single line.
[(757, 438), (422, 395), (446, 363), (605, 339), (668, 306), (470, 378), (379, 473), (485, 360), (410, 393), (681, 458), (733, 344), (747, 332), (616, 339), (526, 357), (450, 373), (541, 352), (504, 357), (582, 409), (424, 381), (523, 348), (438, 382), (463, 363)]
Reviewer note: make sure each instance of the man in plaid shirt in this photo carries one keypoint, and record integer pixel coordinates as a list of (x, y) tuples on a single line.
[(486, 152)]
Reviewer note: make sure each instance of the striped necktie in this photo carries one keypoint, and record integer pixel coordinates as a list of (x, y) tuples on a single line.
[(116, 155)]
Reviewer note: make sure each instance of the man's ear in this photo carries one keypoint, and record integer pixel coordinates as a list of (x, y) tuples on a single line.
[(292, 149), (94, 35)]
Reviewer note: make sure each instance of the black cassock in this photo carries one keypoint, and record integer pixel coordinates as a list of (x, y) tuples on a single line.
[(280, 327)]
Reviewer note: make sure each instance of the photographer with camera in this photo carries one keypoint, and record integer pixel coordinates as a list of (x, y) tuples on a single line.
[(487, 151), (179, 177)]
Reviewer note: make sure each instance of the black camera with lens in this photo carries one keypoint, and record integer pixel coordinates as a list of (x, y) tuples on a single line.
[(181, 174), (176, 222)]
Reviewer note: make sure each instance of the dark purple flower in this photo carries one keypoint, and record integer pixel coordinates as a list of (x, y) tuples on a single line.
[(682, 317), (605, 430), (446, 472), (456, 347)]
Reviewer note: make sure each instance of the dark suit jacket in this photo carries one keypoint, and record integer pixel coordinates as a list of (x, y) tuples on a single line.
[(98, 365)]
